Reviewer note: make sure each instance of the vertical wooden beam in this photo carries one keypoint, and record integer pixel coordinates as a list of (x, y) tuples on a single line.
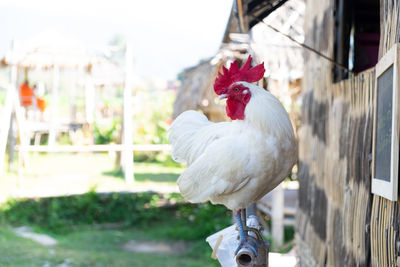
[(11, 142), (89, 98), (278, 205), (72, 95), (6, 119), (239, 5), (127, 117), (54, 106)]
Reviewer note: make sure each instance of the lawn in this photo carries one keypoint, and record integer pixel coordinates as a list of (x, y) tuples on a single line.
[(92, 230), (80, 223), (97, 165), (76, 173), (94, 247)]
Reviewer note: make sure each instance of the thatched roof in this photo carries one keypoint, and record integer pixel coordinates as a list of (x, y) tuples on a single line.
[(54, 49), (196, 92), (245, 14)]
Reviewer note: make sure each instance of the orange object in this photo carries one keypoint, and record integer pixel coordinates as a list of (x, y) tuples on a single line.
[(26, 94), (41, 104)]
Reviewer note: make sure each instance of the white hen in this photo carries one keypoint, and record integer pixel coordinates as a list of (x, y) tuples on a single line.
[(235, 163)]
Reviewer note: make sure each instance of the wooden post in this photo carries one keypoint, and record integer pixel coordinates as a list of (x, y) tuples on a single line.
[(89, 98), (72, 96), (127, 117), (11, 144), (22, 130), (54, 107), (8, 108), (277, 215)]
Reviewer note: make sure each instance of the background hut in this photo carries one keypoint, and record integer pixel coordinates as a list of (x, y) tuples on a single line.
[(69, 73), (339, 221), (195, 92)]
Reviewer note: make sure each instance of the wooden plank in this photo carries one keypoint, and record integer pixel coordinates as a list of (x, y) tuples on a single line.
[(127, 155), (277, 215), (92, 148), (54, 106)]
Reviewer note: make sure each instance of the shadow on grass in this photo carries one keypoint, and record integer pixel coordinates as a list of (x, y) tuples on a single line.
[(142, 177)]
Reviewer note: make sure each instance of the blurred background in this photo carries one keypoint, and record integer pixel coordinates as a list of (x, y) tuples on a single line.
[(88, 90)]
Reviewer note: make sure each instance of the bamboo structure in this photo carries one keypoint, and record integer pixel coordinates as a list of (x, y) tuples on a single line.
[(339, 221)]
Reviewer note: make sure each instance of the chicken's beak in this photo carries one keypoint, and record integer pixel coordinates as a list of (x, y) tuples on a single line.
[(223, 96)]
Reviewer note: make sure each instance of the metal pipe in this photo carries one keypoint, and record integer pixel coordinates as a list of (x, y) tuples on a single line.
[(245, 256)]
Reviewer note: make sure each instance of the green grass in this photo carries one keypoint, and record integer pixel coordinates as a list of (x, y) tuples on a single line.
[(90, 247), (150, 172), (99, 165), (81, 225), (73, 220), (75, 173)]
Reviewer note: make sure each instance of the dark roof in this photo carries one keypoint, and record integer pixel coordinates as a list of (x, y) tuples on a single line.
[(253, 11), (257, 10)]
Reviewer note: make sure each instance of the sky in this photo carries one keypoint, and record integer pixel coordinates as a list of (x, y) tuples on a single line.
[(167, 35)]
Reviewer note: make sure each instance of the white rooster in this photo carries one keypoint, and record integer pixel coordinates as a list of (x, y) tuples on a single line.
[(235, 163)]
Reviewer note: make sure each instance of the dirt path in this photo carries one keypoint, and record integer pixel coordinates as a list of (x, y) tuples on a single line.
[(42, 239), (158, 247)]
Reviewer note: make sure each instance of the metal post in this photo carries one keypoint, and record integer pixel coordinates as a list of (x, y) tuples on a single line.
[(245, 257)]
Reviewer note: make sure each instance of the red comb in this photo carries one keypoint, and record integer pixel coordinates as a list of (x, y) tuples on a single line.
[(245, 74)]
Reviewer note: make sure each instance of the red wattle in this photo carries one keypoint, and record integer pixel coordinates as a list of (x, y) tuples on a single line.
[(235, 109)]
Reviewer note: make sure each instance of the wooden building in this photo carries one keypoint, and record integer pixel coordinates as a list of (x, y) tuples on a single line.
[(339, 221)]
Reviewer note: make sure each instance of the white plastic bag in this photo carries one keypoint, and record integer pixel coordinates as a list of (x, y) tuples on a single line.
[(227, 247)]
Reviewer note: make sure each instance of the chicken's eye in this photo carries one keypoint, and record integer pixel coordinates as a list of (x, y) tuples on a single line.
[(236, 89)]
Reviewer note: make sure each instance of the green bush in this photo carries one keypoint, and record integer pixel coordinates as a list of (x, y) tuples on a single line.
[(152, 116), (105, 133), (59, 214)]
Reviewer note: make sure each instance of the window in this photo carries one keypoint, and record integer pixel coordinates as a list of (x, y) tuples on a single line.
[(356, 36)]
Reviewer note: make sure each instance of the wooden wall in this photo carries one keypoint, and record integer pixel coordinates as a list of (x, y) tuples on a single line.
[(339, 222)]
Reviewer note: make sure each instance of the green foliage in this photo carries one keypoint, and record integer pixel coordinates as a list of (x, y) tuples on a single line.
[(152, 116), (62, 140), (2, 97), (162, 157), (205, 218), (106, 133), (288, 233), (151, 120), (80, 224), (58, 214)]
